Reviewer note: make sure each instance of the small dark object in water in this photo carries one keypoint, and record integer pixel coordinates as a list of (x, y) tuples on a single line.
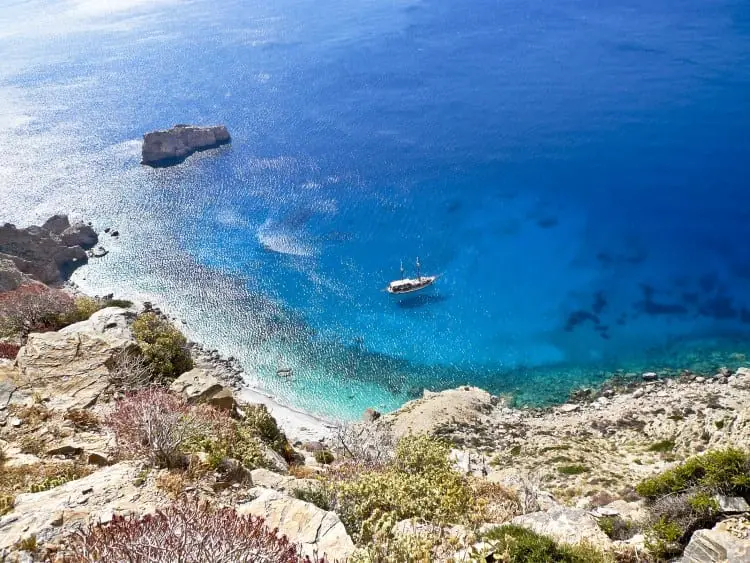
[(106, 230), (284, 372), (547, 222), (115, 233)]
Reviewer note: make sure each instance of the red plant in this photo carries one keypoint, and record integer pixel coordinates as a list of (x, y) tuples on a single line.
[(153, 424), (9, 351), (33, 308), (189, 531)]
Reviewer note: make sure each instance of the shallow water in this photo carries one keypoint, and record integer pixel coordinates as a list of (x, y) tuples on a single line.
[(578, 173)]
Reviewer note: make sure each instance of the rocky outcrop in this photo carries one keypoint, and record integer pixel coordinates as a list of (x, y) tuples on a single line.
[(318, 532), (48, 254), (111, 321), (48, 514), (10, 276), (465, 405), (172, 146), (199, 387), (566, 525), (727, 542), (71, 369)]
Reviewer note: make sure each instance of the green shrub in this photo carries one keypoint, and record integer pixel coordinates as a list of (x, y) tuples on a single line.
[(664, 446), (726, 471), (617, 528), (260, 422), (320, 497), (663, 539), (121, 303), (6, 503), (515, 544), (324, 457), (163, 346), (574, 469), (419, 483)]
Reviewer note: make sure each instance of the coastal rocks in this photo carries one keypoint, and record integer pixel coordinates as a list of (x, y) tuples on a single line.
[(11, 277), (198, 386), (461, 406), (728, 541), (565, 525), (71, 369), (371, 415), (81, 235), (318, 532), (46, 514), (46, 255), (172, 146)]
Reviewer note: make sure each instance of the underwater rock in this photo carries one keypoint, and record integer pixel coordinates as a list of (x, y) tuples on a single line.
[(172, 146)]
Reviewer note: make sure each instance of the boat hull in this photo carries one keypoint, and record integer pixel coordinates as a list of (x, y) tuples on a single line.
[(424, 283)]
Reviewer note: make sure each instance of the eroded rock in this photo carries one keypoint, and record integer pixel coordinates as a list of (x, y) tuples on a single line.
[(318, 532), (172, 146)]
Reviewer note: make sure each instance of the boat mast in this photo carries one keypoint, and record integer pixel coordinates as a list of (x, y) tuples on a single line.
[(402, 269), (419, 275)]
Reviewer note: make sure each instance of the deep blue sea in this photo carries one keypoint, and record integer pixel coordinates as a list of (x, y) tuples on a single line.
[(578, 171)]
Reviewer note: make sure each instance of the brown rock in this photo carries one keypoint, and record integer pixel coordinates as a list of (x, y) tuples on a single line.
[(172, 146)]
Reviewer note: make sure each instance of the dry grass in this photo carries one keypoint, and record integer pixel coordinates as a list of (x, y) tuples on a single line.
[(83, 419), (39, 477)]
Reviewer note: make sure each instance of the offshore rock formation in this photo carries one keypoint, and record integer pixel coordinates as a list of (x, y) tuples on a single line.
[(172, 146), (48, 254)]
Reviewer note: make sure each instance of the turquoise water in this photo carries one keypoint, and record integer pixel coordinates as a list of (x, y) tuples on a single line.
[(578, 173)]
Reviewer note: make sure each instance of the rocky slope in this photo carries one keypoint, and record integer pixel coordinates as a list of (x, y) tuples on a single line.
[(172, 146)]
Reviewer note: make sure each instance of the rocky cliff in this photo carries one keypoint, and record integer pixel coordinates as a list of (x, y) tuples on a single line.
[(48, 254), (172, 146)]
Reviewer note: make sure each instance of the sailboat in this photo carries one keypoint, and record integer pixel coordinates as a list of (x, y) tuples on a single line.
[(409, 285)]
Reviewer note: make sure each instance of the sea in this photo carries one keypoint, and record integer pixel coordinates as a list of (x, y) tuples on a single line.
[(576, 172)]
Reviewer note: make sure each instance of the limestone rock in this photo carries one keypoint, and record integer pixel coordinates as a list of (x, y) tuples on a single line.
[(464, 405), (80, 501), (722, 544), (274, 460), (72, 369), (172, 146), (732, 505), (111, 321), (284, 483), (199, 386), (565, 525), (317, 531)]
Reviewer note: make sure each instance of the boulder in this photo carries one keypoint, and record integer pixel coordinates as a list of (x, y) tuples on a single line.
[(732, 505), (172, 146), (727, 542), (371, 415), (318, 532), (71, 369), (111, 321), (274, 460), (197, 386), (81, 235), (565, 525)]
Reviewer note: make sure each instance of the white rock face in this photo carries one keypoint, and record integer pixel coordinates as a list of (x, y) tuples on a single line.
[(565, 525), (172, 146), (85, 500), (71, 369), (727, 542), (112, 321), (317, 532)]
